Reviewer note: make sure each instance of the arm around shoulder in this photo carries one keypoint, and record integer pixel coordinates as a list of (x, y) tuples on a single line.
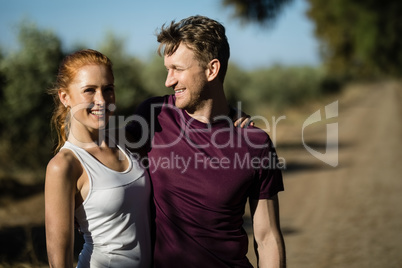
[(269, 246), (60, 187)]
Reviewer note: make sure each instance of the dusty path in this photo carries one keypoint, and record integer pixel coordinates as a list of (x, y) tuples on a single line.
[(350, 215)]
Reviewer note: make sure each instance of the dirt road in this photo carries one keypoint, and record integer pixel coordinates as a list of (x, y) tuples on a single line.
[(349, 215), (344, 216)]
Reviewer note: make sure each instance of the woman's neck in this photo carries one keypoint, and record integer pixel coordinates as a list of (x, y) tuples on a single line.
[(89, 139)]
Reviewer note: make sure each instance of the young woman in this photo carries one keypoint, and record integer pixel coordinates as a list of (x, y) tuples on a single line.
[(91, 179)]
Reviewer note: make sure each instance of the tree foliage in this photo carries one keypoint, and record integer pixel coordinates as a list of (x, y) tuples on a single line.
[(359, 38), (236, 82), (130, 90), (261, 11), (25, 107), (280, 87), (154, 76)]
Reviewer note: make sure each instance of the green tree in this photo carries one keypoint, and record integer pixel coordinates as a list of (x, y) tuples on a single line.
[(25, 107), (359, 38), (130, 90), (261, 11), (236, 87), (2, 85), (154, 77), (280, 87)]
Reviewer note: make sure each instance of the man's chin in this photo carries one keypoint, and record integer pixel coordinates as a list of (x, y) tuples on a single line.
[(180, 105)]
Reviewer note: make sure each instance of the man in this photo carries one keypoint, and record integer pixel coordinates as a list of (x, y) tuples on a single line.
[(203, 169)]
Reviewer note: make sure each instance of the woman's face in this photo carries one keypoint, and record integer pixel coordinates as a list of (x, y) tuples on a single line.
[(91, 98)]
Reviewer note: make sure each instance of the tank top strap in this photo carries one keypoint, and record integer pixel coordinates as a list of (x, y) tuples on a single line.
[(100, 176)]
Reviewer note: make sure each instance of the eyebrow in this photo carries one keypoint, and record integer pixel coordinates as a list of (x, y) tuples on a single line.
[(87, 86), (175, 66)]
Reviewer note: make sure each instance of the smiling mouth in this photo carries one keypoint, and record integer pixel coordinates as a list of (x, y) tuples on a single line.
[(179, 91), (98, 113)]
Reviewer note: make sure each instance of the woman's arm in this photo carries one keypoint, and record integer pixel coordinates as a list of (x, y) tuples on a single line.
[(240, 118), (60, 189)]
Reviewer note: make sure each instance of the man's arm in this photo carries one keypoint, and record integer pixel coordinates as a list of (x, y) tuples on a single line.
[(269, 243)]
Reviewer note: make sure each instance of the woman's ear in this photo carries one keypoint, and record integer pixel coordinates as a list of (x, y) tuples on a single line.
[(213, 69), (64, 98)]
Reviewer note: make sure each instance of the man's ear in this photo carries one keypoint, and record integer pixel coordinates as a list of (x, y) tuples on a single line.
[(213, 69), (64, 98)]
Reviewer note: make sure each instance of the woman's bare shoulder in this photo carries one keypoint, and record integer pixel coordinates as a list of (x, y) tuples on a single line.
[(64, 164)]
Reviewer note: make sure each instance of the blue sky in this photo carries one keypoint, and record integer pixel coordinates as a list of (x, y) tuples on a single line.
[(290, 41)]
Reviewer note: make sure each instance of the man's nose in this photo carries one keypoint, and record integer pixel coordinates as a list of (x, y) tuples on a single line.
[(170, 79)]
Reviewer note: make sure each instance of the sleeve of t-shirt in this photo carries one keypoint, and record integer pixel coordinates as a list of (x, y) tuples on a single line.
[(268, 181)]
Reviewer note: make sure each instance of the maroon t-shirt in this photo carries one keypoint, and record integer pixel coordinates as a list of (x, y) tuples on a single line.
[(202, 175)]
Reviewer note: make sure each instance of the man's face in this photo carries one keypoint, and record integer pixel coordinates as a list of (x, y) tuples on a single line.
[(187, 78)]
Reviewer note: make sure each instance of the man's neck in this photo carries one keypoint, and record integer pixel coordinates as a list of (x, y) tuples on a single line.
[(209, 110)]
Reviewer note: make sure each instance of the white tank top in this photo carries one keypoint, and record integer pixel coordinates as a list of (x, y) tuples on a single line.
[(115, 216)]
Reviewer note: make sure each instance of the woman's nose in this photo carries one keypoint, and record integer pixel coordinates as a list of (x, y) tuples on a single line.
[(99, 98)]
